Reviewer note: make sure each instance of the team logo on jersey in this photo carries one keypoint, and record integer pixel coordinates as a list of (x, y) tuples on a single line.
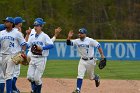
[(8, 37), (83, 45), (38, 43)]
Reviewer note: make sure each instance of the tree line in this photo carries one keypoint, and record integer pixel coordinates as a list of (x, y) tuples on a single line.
[(104, 19)]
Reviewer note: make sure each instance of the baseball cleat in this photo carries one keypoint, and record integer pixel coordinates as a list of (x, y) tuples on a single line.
[(97, 80), (32, 91), (76, 91), (15, 91)]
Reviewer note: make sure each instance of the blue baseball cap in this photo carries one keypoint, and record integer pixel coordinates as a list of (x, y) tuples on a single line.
[(9, 19), (38, 23), (18, 20), (41, 19), (2, 27), (83, 31)]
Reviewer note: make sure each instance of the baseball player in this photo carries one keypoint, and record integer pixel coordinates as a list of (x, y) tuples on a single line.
[(2, 81), (18, 26), (85, 46), (30, 32), (38, 61), (10, 39)]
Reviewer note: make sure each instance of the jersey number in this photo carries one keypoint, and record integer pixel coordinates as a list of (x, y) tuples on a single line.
[(11, 44)]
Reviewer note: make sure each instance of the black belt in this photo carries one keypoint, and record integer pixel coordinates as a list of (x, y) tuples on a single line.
[(5, 54), (87, 58), (36, 56)]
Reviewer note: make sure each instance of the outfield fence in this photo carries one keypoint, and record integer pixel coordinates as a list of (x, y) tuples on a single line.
[(113, 50)]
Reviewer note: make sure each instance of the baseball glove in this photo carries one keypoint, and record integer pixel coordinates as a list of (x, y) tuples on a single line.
[(102, 63), (20, 58), (35, 51)]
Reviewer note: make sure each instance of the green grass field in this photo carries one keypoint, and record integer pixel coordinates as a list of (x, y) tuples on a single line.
[(68, 69)]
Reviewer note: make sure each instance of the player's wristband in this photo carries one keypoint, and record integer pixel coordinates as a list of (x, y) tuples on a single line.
[(69, 42)]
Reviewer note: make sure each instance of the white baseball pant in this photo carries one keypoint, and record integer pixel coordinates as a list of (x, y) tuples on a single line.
[(86, 66), (8, 66), (36, 69)]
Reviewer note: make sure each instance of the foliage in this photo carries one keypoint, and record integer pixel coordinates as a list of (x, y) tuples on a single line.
[(104, 19)]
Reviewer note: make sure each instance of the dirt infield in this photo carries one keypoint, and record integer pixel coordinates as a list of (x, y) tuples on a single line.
[(67, 86)]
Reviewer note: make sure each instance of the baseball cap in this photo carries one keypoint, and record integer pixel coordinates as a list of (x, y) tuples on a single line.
[(9, 19), (18, 20), (2, 27), (83, 31), (41, 19), (38, 23)]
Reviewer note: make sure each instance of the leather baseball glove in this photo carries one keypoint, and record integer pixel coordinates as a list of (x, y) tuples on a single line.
[(35, 51), (102, 63), (20, 58)]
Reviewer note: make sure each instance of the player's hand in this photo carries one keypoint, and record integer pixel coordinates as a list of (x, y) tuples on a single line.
[(70, 34), (57, 31), (28, 31)]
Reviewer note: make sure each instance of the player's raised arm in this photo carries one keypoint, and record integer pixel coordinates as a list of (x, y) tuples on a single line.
[(70, 34), (27, 34), (57, 31)]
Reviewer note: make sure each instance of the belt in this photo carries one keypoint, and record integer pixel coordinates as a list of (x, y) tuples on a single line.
[(5, 54), (37, 56), (90, 58)]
